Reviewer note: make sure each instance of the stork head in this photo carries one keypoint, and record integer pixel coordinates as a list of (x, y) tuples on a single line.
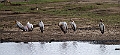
[(37, 8), (28, 22), (59, 24), (15, 21), (101, 20), (71, 20)]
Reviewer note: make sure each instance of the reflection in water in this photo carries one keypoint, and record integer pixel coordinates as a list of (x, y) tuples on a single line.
[(32, 48), (68, 48), (64, 45), (74, 43), (21, 47), (57, 48), (42, 45), (63, 48), (102, 48)]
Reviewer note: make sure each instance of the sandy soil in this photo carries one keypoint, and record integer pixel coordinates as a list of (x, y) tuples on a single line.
[(85, 31)]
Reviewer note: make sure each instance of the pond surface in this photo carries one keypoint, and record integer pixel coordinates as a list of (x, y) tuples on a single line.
[(57, 48)]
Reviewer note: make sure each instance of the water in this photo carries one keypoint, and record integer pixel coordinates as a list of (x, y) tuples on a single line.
[(58, 48)]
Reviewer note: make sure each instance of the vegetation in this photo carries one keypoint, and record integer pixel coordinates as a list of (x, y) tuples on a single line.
[(79, 10)]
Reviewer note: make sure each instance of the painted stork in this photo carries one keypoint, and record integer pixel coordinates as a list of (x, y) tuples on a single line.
[(73, 25), (41, 25), (25, 28), (19, 25), (63, 26), (102, 26), (30, 26)]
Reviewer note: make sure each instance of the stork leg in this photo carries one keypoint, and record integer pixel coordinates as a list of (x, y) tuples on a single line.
[(41, 28)]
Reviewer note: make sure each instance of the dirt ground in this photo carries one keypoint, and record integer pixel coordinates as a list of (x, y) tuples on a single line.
[(85, 31)]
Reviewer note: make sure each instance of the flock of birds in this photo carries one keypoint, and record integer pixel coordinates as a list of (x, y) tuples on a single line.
[(63, 26)]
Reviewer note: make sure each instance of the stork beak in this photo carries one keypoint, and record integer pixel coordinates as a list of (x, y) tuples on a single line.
[(15, 21), (58, 24), (71, 20), (101, 20)]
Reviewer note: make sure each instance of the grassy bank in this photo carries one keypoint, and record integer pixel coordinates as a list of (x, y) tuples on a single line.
[(109, 12)]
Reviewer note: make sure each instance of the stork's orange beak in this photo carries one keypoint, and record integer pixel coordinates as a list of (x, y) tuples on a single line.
[(15, 21), (71, 20), (101, 20)]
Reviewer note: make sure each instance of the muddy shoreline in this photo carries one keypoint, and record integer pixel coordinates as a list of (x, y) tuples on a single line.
[(53, 33), (87, 28)]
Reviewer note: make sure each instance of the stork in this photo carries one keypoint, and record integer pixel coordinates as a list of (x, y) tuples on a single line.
[(41, 25), (102, 27), (30, 26), (19, 25), (73, 25), (63, 26)]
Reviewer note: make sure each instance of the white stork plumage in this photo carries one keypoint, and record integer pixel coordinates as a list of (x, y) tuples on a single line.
[(19, 25), (73, 25), (102, 26), (63, 26), (25, 28), (30, 26), (41, 25)]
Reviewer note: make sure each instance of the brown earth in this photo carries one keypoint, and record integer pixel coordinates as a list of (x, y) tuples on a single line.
[(86, 31)]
